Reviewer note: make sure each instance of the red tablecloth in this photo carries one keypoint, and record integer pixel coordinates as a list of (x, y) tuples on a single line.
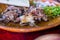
[(5, 35)]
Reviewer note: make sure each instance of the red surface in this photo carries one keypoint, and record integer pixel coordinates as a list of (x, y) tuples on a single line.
[(5, 35)]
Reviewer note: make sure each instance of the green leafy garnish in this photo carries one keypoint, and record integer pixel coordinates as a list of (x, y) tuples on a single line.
[(52, 11)]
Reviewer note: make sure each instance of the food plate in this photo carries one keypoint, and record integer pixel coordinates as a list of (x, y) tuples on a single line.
[(42, 26)]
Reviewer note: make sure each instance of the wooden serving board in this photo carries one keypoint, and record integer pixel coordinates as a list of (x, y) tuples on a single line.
[(53, 23)]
